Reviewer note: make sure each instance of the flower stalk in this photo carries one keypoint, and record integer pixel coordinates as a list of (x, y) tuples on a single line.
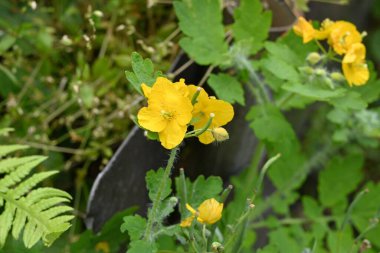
[(148, 235)]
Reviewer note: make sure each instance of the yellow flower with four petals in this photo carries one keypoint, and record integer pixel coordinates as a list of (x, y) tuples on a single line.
[(209, 212)]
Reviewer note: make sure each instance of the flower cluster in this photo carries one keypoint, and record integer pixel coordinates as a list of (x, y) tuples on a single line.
[(345, 40), (209, 212), (172, 107)]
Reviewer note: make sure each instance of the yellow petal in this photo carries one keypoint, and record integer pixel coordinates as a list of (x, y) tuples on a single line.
[(193, 89), (342, 35), (206, 138), (356, 53), (210, 211), (172, 135), (224, 112), (151, 119), (187, 222), (182, 87), (146, 90), (304, 29), (191, 210), (355, 73)]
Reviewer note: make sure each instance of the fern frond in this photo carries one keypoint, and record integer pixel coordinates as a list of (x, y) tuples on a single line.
[(5, 150), (37, 213)]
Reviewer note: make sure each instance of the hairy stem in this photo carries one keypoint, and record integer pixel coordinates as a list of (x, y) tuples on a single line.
[(157, 201)]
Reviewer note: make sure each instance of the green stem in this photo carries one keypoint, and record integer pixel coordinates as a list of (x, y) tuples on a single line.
[(255, 79), (351, 207), (262, 174), (198, 132), (183, 188), (157, 201)]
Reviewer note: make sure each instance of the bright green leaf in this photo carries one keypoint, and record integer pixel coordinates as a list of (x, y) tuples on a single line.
[(201, 22), (142, 247), (340, 177), (135, 225), (227, 88), (251, 23), (143, 72), (153, 182)]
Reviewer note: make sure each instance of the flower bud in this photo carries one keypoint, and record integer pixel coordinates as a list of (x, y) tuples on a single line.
[(217, 247), (337, 76), (307, 70), (320, 72), (313, 58), (220, 134)]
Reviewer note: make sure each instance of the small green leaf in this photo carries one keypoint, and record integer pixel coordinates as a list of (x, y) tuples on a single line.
[(280, 69), (283, 52), (314, 92), (227, 88), (86, 93), (201, 22), (143, 72), (251, 23), (202, 189), (135, 225), (153, 180), (340, 177), (142, 247), (6, 42)]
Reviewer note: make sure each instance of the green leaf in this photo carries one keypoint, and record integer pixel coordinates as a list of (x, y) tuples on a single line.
[(135, 225), (371, 90), (311, 208), (314, 92), (201, 22), (284, 241), (201, 189), (352, 100), (283, 52), (6, 42), (143, 72), (142, 247), (365, 210), (153, 181), (280, 69), (251, 23), (270, 126), (340, 241), (86, 94), (340, 177), (227, 88)]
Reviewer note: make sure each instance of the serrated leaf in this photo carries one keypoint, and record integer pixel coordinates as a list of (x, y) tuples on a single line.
[(143, 72), (352, 100), (142, 247), (314, 92), (283, 52), (135, 225), (201, 22), (366, 210), (340, 177), (153, 181), (270, 126), (251, 23), (5, 150), (227, 88), (202, 189), (280, 69)]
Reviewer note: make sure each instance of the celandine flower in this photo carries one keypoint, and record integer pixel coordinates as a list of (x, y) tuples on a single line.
[(223, 113), (168, 112), (354, 66), (306, 30), (209, 212), (341, 35)]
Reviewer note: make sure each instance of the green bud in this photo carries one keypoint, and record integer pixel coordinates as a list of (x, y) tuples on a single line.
[(217, 247), (320, 72), (313, 58), (337, 76), (307, 70)]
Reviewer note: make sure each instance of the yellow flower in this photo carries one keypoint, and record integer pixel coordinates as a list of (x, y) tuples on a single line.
[(168, 111), (354, 67), (341, 35), (103, 247), (209, 212), (223, 113), (306, 30)]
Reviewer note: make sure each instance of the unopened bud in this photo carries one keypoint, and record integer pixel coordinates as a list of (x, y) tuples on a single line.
[(320, 72), (65, 40), (98, 13), (337, 76), (220, 134), (173, 200), (217, 247), (307, 70), (313, 58)]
